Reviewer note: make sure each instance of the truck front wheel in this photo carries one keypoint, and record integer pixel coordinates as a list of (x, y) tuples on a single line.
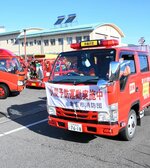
[(129, 131), (4, 91)]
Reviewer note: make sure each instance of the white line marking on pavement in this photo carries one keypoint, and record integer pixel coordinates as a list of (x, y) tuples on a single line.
[(21, 128)]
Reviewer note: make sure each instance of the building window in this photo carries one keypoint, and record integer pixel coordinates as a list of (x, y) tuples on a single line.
[(69, 40), (60, 41), (16, 41), (52, 41), (39, 42), (31, 43), (86, 38), (46, 42), (78, 39), (35, 42), (12, 40)]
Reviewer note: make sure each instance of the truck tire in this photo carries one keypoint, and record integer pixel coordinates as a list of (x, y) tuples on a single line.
[(129, 131), (4, 91)]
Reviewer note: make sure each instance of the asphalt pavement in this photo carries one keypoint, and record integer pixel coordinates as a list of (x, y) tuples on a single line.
[(29, 101)]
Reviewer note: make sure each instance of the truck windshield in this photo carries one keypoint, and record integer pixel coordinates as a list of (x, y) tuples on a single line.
[(83, 65), (10, 65)]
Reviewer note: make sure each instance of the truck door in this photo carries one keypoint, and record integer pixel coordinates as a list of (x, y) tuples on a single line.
[(144, 79), (129, 86)]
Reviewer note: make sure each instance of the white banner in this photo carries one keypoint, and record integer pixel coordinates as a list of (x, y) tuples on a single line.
[(83, 97)]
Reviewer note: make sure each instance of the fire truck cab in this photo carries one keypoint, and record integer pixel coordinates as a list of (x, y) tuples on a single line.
[(39, 68), (95, 96), (12, 75)]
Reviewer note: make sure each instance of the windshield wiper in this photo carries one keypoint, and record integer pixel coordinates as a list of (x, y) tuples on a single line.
[(75, 81), (87, 81), (91, 80), (65, 80)]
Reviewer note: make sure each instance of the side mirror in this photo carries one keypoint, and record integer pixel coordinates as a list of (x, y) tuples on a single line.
[(101, 83), (114, 71)]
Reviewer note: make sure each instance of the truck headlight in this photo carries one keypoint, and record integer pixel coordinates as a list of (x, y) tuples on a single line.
[(113, 109), (51, 110), (109, 116), (20, 83), (103, 116)]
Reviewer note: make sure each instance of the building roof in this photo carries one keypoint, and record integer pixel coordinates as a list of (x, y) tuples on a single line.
[(10, 33), (61, 30)]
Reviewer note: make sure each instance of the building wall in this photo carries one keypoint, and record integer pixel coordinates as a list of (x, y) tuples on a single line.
[(43, 44), (105, 32), (9, 42), (40, 45)]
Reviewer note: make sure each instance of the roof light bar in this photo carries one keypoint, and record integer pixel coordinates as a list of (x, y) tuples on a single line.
[(95, 43), (39, 56), (75, 46), (111, 42)]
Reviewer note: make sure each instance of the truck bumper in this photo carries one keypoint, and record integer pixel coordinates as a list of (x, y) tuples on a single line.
[(35, 83), (99, 129), (20, 88)]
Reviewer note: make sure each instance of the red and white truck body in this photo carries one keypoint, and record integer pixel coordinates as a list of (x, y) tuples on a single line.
[(39, 69), (12, 75), (104, 103)]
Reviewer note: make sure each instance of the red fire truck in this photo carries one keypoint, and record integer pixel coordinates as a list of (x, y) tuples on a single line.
[(39, 68), (12, 75), (93, 97)]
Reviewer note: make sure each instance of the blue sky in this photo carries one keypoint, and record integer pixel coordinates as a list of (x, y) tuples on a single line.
[(131, 16)]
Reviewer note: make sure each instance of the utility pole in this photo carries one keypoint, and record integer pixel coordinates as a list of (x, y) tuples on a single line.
[(25, 55)]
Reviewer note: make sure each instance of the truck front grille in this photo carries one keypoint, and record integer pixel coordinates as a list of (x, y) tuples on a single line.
[(77, 114)]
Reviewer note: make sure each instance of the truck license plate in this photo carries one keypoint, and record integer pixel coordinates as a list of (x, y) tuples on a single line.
[(74, 127)]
